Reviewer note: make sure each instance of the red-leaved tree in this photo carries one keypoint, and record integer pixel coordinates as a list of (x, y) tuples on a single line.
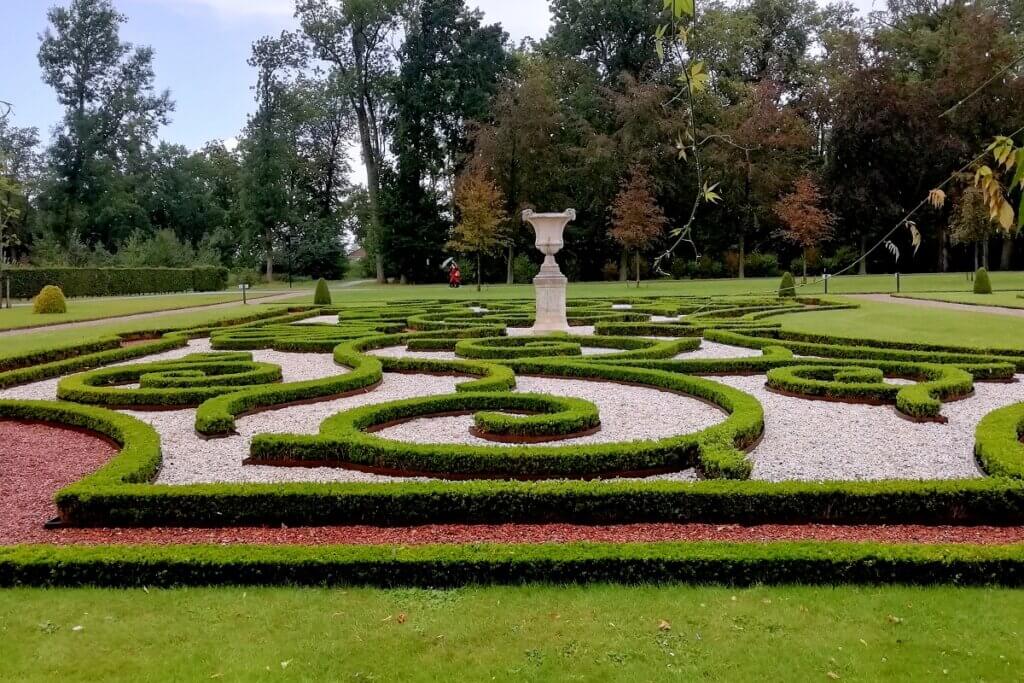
[(637, 220), (805, 221)]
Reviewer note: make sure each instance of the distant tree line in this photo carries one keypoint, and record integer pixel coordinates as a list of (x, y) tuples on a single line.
[(819, 129)]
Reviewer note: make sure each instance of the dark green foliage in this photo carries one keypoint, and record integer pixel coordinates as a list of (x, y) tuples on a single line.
[(322, 296), (982, 285), (998, 442), (787, 287), (49, 300), (440, 566), (25, 282)]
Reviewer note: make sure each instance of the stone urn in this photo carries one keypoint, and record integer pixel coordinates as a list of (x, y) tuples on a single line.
[(549, 285)]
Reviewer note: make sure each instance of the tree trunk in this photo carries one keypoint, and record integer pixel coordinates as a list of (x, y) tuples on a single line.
[(804, 259), (372, 184), (268, 244), (743, 255), (509, 273), (943, 264), (984, 253), (862, 269), (975, 256), (636, 265), (1006, 255), (624, 266), (479, 273)]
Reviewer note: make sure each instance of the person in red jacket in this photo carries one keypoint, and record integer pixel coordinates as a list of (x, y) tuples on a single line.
[(454, 276)]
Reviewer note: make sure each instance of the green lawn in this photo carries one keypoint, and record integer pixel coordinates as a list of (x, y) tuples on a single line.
[(98, 308), (909, 323), (846, 284), (28, 341), (524, 633)]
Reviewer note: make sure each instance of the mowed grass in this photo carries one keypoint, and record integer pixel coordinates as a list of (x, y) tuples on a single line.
[(593, 633), (907, 322), (370, 292), (13, 344), (109, 307)]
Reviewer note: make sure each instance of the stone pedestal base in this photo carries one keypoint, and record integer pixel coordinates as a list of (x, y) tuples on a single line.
[(550, 316)]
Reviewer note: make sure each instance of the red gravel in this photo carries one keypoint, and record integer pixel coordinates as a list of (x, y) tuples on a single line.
[(36, 460)]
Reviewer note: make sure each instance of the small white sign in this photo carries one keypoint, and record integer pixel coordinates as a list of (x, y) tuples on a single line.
[(243, 286)]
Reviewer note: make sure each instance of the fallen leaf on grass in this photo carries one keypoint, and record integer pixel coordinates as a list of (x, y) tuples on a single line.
[(893, 619), (401, 618), (833, 675), (664, 626)]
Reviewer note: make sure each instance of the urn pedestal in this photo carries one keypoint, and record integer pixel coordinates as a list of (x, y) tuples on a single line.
[(550, 284)]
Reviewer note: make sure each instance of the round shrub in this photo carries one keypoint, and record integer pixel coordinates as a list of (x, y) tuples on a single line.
[(322, 297), (49, 300), (981, 282), (787, 288)]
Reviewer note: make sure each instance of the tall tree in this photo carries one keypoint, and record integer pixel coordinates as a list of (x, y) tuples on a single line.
[(805, 221), (637, 220), (450, 69), (478, 230), (355, 35), (112, 113), (612, 36)]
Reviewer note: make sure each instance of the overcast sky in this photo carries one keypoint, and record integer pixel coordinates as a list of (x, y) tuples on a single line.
[(201, 51)]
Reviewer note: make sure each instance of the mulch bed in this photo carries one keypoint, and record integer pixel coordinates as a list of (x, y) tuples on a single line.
[(37, 459)]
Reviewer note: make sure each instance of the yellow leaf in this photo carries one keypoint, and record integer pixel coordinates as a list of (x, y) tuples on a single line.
[(937, 198), (1006, 216)]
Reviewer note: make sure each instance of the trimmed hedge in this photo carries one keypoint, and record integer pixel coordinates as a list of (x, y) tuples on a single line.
[(997, 442), (447, 566), (844, 382), (322, 295), (982, 284), (49, 300), (25, 282)]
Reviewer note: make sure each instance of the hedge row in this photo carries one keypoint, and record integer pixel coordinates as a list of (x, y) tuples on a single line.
[(934, 384), (447, 566), (26, 282), (185, 382), (343, 440), (997, 442)]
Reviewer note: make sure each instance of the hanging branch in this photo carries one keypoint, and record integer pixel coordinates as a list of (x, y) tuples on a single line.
[(672, 40)]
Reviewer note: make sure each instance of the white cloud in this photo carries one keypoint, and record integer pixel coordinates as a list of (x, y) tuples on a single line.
[(237, 8)]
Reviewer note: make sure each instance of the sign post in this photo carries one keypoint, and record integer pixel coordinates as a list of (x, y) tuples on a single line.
[(244, 288)]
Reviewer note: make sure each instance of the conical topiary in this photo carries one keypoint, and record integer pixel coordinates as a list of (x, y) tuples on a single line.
[(49, 300), (787, 288), (322, 297), (981, 282)]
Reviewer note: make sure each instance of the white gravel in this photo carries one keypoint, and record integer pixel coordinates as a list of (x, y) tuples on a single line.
[(579, 330), (710, 349), (821, 440), (627, 414), (404, 352), (318, 320)]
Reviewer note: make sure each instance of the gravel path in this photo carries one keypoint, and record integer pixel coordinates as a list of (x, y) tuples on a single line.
[(710, 349), (932, 303), (318, 320), (821, 440)]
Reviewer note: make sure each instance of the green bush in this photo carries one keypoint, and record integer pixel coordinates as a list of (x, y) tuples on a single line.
[(25, 282), (787, 287), (761, 265), (981, 282), (322, 296), (49, 300)]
